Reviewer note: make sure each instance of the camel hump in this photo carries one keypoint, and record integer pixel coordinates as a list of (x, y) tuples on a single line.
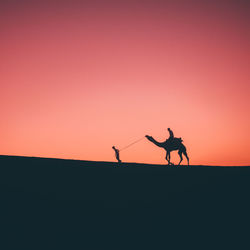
[(174, 142), (179, 139)]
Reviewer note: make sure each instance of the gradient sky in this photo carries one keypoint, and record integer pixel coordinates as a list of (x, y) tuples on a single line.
[(78, 77)]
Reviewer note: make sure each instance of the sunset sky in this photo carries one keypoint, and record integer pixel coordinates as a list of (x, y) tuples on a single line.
[(78, 77)]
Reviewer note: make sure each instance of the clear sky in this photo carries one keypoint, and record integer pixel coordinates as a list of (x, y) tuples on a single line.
[(78, 77)]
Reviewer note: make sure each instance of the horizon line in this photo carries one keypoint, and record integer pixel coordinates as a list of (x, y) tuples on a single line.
[(141, 163)]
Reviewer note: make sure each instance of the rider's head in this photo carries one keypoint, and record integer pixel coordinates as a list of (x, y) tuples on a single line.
[(113, 147), (168, 129)]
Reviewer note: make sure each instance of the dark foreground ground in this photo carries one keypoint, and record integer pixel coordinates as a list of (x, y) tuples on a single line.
[(99, 205)]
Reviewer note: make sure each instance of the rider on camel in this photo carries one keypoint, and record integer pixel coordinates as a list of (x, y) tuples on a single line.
[(172, 139), (171, 134)]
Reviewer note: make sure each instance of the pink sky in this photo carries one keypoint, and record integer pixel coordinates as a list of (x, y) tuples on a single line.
[(78, 77)]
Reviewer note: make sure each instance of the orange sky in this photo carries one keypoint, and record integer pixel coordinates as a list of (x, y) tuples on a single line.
[(80, 76)]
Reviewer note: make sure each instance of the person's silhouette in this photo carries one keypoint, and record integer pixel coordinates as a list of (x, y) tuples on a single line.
[(171, 134), (117, 155), (172, 140)]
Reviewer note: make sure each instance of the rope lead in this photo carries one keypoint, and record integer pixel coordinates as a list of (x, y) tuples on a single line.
[(132, 143)]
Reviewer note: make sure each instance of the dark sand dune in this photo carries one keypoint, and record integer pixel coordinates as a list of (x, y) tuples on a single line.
[(169, 201), (113, 185)]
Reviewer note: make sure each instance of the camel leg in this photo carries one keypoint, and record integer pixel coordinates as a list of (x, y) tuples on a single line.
[(185, 153), (180, 154), (168, 158)]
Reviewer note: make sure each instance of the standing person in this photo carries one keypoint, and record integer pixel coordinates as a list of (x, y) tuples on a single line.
[(117, 155)]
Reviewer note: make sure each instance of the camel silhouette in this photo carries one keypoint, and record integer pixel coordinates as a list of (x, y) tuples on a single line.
[(175, 144)]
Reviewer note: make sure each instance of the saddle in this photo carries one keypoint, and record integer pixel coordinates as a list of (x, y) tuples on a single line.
[(179, 139), (175, 141)]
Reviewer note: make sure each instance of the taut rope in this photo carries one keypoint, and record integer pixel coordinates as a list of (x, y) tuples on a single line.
[(129, 145)]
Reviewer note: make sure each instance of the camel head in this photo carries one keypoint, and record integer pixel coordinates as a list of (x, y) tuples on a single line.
[(150, 138)]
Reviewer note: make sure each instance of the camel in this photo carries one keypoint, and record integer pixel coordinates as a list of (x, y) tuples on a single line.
[(176, 144)]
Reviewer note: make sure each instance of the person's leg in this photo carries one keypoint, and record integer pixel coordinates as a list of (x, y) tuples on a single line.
[(118, 158)]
